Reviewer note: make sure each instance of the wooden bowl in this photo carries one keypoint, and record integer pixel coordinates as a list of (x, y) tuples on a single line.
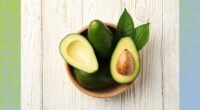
[(103, 93)]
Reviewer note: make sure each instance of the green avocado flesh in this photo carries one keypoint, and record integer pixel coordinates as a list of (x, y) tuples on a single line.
[(125, 45), (99, 80), (101, 38), (77, 51)]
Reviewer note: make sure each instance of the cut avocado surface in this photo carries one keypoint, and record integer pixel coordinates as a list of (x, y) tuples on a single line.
[(125, 62), (77, 51), (101, 38), (101, 79)]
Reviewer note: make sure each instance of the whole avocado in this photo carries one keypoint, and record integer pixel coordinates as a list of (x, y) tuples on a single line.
[(101, 38), (101, 79)]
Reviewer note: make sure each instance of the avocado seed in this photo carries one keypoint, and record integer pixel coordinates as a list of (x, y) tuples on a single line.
[(125, 64)]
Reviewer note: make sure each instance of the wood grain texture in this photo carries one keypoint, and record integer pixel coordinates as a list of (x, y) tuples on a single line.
[(45, 85), (31, 55), (170, 53)]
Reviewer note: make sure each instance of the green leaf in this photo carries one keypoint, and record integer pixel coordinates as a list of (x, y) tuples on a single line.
[(125, 26), (142, 36)]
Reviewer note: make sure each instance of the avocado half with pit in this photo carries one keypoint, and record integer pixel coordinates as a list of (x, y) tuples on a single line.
[(125, 62), (77, 51)]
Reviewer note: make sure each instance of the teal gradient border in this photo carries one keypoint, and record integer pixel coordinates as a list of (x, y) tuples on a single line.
[(9, 54), (189, 54)]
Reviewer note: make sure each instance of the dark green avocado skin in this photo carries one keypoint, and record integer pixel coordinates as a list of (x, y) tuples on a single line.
[(101, 38), (101, 79)]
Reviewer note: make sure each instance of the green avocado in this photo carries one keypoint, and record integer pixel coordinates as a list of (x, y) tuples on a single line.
[(77, 51), (101, 38), (101, 79), (125, 61)]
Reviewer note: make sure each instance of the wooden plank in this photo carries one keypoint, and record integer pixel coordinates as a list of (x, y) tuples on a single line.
[(60, 17), (106, 11), (170, 51), (146, 92), (31, 55)]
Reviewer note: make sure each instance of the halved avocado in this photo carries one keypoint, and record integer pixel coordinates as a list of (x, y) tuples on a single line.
[(125, 61), (77, 51)]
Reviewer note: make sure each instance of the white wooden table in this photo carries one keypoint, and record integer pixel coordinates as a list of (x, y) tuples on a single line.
[(44, 83)]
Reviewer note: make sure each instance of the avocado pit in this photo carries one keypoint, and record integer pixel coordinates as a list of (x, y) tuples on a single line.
[(125, 63)]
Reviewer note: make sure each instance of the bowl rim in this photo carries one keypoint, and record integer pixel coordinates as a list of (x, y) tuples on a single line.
[(113, 91)]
